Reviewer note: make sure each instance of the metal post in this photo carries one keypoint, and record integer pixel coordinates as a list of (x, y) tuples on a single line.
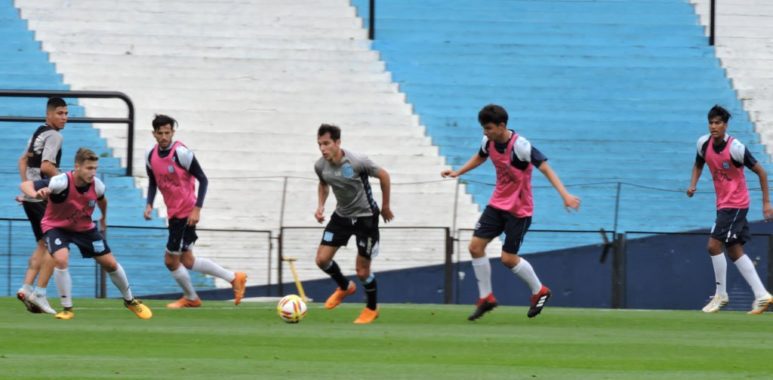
[(770, 261), (102, 275), (617, 207), (10, 268), (712, 21), (130, 142), (270, 248), (448, 286), (372, 20), (280, 255), (618, 273)]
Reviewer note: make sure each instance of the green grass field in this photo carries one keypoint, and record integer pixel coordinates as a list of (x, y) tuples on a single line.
[(220, 341)]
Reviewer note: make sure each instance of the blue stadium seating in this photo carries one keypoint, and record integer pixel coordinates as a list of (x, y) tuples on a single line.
[(23, 65), (611, 91)]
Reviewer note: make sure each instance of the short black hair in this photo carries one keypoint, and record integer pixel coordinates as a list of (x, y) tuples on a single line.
[(334, 131), (718, 111), (162, 120), (492, 113), (54, 103)]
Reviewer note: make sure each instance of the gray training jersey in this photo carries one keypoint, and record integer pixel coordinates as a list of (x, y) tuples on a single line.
[(350, 184)]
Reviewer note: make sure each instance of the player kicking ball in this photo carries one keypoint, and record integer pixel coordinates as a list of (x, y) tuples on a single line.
[(356, 214), (510, 207), (726, 158), (72, 198)]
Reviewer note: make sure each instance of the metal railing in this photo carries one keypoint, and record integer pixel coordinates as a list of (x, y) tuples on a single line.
[(128, 120)]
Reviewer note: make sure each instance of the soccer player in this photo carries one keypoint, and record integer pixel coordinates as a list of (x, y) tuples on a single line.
[(41, 160), (72, 197), (726, 158), (510, 208), (173, 169), (356, 214)]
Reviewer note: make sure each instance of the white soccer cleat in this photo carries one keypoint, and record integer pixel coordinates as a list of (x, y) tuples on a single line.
[(42, 303), (717, 302), (760, 305)]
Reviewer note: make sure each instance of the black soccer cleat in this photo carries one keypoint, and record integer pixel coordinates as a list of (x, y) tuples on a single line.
[(483, 306), (538, 301)]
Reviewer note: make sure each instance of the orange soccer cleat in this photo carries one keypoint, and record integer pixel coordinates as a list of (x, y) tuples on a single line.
[(183, 303), (367, 316), (339, 295)]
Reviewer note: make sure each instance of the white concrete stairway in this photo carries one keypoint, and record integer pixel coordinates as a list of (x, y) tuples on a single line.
[(249, 83), (744, 44)]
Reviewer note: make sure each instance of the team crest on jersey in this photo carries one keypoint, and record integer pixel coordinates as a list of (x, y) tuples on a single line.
[(170, 169), (725, 165), (347, 171), (92, 203)]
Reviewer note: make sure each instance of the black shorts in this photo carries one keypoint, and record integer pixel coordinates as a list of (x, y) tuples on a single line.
[(365, 229), (35, 212), (493, 222), (91, 243), (181, 236), (731, 226)]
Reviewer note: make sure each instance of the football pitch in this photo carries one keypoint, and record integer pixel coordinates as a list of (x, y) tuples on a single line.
[(220, 341)]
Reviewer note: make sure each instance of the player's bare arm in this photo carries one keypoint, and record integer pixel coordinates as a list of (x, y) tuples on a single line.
[(23, 166), (474, 161), (47, 169), (194, 217), (767, 209), (28, 188), (386, 185), (570, 201), (102, 204), (323, 190), (696, 174)]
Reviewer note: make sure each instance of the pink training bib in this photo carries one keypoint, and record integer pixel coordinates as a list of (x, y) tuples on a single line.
[(176, 184), (513, 188)]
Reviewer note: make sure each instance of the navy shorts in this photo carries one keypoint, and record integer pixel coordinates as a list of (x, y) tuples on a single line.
[(494, 222), (181, 236), (91, 243), (365, 229), (731, 226), (35, 212)]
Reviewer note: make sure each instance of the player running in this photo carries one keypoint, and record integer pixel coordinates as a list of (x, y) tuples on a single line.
[(356, 214), (72, 198), (726, 158), (510, 207), (173, 169), (41, 160)]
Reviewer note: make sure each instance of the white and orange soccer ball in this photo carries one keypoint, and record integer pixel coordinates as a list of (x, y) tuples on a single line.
[(291, 308)]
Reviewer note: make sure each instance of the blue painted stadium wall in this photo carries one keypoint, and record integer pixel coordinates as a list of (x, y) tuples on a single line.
[(662, 272)]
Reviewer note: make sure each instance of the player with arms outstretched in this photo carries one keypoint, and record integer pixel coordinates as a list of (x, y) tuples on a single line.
[(510, 208)]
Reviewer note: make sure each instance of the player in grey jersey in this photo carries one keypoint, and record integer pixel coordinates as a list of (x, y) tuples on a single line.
[(356, 214), (40, 160)]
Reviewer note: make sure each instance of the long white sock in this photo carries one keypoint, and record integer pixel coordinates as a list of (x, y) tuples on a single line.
[(121, 282), (746, 267), (482, 268), (184, 280), (719, 262), (211, 268), (64, 286), (525, 272)]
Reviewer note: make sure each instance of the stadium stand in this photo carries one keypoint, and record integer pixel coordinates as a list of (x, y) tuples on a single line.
[(249, 84), (744, 37)]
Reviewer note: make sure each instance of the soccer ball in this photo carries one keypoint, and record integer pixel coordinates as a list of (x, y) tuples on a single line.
[(291, 308)]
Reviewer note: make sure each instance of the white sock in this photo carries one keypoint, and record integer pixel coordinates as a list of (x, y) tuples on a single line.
[(121, 282), (719, 262), (525, 272), (184, 280), (64, 286), (40, 292), (482, 268), (746, 267), (26, 289), (211, 268)]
